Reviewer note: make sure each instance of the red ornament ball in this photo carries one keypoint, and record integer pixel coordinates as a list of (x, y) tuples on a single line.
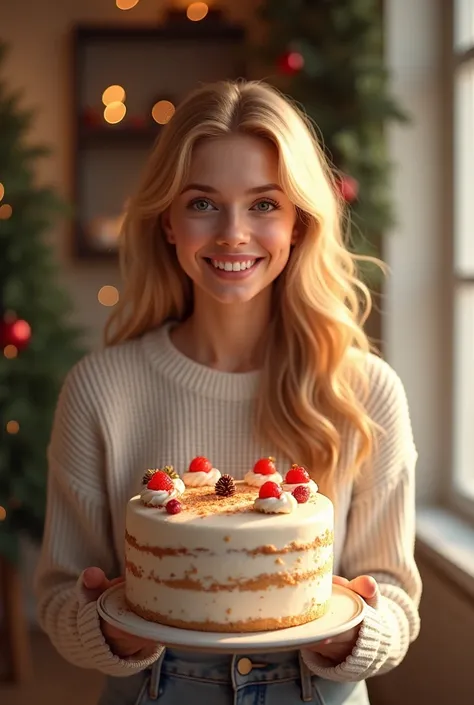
[(290, 62), (348, 188), (16, 332)]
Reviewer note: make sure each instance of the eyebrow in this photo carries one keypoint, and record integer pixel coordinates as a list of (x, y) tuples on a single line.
[(210, 189)]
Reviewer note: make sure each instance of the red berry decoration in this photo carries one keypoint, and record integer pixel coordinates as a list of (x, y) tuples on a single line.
[(173, 506), (297, 474), (200, 464), (265, 466), (270, 489), (301, 494), (160, 481)]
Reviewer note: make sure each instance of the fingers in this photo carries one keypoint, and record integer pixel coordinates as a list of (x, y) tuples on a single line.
[(94, 578), (365, 586), (338, 580)]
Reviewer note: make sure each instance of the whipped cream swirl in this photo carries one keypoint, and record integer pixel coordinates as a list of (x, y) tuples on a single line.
[(178, 485), (201, 479), (284, 504), (257, 479), (311, 485), (158, 498)]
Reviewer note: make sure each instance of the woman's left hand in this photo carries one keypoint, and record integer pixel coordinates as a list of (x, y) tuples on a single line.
[(338, 648)]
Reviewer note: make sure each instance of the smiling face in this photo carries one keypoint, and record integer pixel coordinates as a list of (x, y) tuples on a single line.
[(232, 225)]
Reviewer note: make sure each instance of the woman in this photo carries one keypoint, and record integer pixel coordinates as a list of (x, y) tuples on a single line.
[(238, 335)]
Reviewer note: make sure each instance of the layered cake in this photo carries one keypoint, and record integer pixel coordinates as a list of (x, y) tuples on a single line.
[(208, 553)]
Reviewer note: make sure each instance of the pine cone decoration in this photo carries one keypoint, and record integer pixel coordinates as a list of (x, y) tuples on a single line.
[(147, 476), (225, 486), (170, 471)]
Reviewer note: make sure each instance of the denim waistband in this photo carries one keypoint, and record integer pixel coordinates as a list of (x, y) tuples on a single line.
[(239, 669)]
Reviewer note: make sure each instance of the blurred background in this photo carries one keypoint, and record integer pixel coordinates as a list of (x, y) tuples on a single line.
[(85, 88)]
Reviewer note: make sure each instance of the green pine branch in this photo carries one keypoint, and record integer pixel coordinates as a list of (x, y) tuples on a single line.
[(30, 287)]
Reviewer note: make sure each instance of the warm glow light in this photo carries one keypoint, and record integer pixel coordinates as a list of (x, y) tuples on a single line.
[(2, 191), (163, 111), (126, 4), (113, 94), (108, 295), (10, 352), (114, 112), (5, 211), (3, 513), (13, 427), (197, 11)]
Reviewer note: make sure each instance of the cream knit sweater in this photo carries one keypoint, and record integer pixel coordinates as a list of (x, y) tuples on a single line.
[(143, 404)]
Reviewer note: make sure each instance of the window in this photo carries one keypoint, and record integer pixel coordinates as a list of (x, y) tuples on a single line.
[(463, 252)]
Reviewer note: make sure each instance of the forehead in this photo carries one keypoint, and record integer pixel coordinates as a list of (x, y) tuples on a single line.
[(234, 160)]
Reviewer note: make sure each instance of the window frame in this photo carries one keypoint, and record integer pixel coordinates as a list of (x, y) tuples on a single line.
[(454, 59)]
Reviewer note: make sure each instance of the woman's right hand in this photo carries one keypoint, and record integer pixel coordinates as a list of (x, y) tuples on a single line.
[(121, 644)]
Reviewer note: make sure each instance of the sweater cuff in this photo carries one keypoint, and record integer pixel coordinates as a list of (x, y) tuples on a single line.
[(368, 656), (93, 641)]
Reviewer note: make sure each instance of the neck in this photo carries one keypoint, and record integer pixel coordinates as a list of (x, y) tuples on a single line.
[(226, 337)]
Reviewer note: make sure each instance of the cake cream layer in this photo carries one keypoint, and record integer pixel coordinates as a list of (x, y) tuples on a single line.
[(219, 562), (269, 608)]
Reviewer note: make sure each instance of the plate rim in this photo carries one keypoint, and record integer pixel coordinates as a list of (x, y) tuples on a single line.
[(222, 639)]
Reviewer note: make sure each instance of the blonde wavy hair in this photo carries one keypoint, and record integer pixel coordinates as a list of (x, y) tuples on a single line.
[(314, 370)]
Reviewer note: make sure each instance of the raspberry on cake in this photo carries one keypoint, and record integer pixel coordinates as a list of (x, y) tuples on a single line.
[(263, 470), (298, 475), (201, 473), (216, 564)]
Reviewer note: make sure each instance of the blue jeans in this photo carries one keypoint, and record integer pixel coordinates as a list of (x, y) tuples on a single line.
[(186, 677)]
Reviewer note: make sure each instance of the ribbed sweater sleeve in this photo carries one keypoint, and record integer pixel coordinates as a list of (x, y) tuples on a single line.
[(380, 539), (77, 534)]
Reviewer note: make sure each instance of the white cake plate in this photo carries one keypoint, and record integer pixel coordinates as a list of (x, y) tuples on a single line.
[(346, 611)]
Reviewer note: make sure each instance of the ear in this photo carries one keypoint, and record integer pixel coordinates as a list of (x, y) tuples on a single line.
[(166, 225), (298, 228)]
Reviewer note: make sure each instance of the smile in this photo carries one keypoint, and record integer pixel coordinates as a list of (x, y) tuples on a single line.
[(235, 268), (238, 266)]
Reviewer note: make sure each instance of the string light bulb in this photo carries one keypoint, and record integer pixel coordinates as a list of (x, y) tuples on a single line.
[(5, 211), (108, 295), (12, 427), (126, 4), (114, 112), (163, 111), (113, 94), (10, 352), (3, 513), (197, 11), (2, 190)]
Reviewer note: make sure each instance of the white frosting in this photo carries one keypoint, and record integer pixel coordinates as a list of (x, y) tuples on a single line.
[(179, 485), (284, 504), (201, 479), (257, 479), (313, 488), (158, 498)]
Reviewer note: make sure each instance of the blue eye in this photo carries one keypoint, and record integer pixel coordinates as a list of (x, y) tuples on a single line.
[(200, 204), (268, 205)]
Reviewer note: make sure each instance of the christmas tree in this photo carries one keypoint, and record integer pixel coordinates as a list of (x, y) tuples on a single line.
[(37, 344), (328, 56)]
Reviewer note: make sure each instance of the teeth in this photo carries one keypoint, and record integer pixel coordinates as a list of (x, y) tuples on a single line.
[(233, 266)]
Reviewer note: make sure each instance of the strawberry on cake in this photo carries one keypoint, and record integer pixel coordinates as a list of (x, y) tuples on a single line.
[(298, 476), (263, 471), (201, 473)]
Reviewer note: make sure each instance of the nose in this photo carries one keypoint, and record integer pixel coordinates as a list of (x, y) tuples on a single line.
[(232, 230)]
